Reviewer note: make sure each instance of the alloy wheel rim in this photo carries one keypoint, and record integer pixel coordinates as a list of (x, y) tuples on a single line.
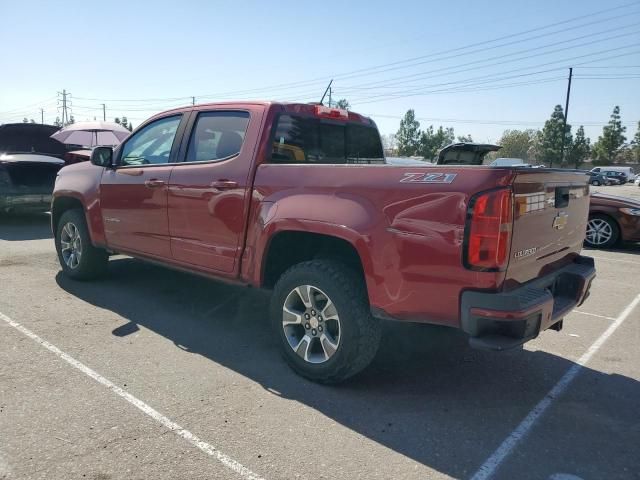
[(599, 231), (311, 324), (71, 245)]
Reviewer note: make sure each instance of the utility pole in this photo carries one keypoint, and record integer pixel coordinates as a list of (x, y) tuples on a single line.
[(566, 114), (42, 116), (65, 116), (193, 100), (104, 112), (330, 96), (328, 89)]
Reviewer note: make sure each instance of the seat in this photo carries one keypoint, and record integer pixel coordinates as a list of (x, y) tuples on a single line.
[(229, 144)]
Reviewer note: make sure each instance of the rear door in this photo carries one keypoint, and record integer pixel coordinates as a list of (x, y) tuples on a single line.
[(209, 190), (133, 196), (550, 221)]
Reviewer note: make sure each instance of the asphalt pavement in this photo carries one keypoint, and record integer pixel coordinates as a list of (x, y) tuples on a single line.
[(150, 373)]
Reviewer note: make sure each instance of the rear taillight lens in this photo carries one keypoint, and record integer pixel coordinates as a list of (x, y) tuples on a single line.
[(488, 233)]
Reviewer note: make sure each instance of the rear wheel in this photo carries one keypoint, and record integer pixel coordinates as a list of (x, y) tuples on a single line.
[(78, 258), (321, 315), (602, 232)]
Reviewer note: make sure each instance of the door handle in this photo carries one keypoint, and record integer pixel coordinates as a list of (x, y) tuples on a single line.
[(153, 183), (224, 184)]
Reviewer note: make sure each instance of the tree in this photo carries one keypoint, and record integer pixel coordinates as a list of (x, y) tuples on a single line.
[(534, 154), (71, 120), (516, 144), (25, 120), (580, 149), (124, 122), (32, 121), (343, 104), (58, 122), (431, 141), (389, 141), (464, 138), (635, 145), (552, 135), (408, 136), (612, 138)]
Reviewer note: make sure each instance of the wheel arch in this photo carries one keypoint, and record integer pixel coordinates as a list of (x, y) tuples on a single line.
[(289, 247), (63, 203)]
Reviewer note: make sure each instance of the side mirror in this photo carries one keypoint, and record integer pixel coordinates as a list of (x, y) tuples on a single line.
[(102, 156)]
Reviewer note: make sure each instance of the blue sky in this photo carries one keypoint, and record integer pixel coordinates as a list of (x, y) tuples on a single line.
[(143, 57)]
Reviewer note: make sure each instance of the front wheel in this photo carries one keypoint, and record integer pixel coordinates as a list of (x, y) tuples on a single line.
[(596, 183), (602, 232), (320, 313), (78, 257)]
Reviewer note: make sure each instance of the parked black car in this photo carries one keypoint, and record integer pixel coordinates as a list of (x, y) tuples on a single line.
[(617, 178), (597, 179), (29, 163)]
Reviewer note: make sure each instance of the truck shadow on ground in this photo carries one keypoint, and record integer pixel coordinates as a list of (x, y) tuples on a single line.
[(427, 395), (25, 227)]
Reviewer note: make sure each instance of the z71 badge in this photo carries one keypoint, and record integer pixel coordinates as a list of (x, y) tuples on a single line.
[(428, 178)]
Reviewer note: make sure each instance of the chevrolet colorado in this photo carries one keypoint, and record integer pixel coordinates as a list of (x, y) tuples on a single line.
[(297, 198)]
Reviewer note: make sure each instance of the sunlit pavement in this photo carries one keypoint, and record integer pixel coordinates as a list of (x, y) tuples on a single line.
[(200, 354)]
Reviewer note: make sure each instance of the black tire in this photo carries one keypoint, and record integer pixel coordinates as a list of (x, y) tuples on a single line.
[(92, 261), (596, 183), (359, 330), (615, 232)]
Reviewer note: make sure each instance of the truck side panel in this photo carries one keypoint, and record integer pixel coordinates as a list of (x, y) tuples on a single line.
[(408, 234)]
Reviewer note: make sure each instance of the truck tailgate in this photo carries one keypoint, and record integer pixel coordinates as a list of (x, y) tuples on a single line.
[(551, 208)]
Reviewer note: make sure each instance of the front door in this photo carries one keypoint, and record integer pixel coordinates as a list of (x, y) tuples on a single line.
[(208, 192), (133, 195)]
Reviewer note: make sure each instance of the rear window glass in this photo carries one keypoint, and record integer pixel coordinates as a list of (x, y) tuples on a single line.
[(313, 140)]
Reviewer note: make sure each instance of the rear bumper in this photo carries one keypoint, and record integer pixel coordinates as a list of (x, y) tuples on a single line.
[(499, 321)]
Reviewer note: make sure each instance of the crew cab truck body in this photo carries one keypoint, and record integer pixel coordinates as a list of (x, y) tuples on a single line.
[(297, 198)]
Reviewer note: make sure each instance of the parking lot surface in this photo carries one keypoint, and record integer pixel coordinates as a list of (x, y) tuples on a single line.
[(200, 354)]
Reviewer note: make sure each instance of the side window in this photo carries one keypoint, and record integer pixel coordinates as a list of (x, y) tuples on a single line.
[(217, 135), (151, 145)]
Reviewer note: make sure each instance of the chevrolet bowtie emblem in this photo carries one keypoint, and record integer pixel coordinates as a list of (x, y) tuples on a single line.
[(560, 221)]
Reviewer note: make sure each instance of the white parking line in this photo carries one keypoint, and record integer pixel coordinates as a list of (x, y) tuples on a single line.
[(490, 466), (593, 314), (158, 417)]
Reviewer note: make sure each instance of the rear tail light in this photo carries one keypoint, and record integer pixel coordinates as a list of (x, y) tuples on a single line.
[(488, 231)]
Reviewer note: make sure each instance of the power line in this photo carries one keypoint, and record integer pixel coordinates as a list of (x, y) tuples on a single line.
[(487, 122), (564, 61), (368, 70), (405, 78)]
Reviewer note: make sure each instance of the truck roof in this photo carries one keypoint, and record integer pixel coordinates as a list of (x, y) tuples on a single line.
[(290, 107)]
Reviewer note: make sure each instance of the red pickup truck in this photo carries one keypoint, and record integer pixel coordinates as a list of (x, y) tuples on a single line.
[(297, 198)]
